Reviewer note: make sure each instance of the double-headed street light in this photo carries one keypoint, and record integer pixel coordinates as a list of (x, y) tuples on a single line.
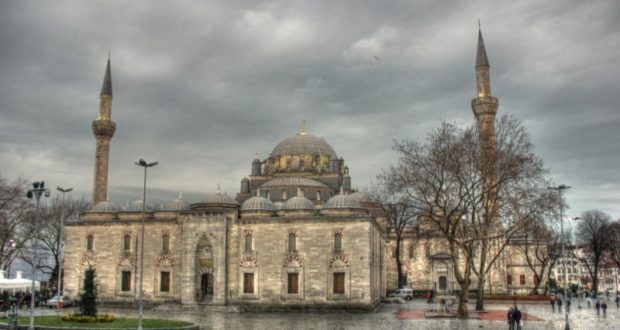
[(38, 190), (559, 189), (61, 244), (146, 165)]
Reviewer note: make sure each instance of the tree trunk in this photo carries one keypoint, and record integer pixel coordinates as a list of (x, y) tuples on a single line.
[(480, 298), (399, 266), (463, 299)]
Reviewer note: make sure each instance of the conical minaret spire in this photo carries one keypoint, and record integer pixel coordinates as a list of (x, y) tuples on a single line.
[(103, 129), (484, 105)]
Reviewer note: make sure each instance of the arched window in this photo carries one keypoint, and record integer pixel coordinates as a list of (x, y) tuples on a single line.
[(90, 240), (127, 242), (165, 243), (248, 243), (338, 242), (292, 242)]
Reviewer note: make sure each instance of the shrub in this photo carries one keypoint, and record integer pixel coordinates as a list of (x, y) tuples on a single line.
[(89, 297), (88, 319)]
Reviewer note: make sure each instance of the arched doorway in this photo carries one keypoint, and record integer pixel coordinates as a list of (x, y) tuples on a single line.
[(443, 283), (206, 287)]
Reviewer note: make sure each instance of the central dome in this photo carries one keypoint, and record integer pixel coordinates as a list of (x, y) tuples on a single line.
[(303, 144)]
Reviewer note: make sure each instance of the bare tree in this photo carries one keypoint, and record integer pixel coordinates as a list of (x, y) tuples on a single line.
[(474, 199), (15, 211), (595, 237), (53, 217), (400, 215), (540, 244)]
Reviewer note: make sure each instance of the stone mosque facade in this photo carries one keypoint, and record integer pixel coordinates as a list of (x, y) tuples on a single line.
[(296, 235)]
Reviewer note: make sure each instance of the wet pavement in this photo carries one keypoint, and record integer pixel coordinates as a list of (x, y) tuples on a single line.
[(390, 316)]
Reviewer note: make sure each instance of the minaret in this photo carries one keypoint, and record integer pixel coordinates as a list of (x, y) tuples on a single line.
[(103, 128), (485, 105)]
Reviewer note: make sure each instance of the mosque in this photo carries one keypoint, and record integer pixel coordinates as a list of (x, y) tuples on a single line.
[(296, 235)]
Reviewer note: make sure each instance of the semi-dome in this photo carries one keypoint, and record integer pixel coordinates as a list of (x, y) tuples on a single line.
[(298, 203), (105, 206), (137, 206), (218, 198), (177, 204), (257, 203), (303, 144), (342, 202), (293, 181)]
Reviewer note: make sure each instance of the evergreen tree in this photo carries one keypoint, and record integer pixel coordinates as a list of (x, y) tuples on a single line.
[(89, 297)]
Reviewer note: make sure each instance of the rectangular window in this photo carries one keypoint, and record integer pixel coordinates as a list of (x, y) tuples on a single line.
[(509, 279), (248, 243), (165, 244), (522, 279), (338, 283), (248, 283), (127, 243), (292, 242), (338, 242), (89, 243), (293, 283), (164, 284), (125, 281)]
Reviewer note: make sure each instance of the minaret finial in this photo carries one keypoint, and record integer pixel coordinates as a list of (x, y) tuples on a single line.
[(218, 187), (481, 56), (303, 130), (109, 55), (479, 29)]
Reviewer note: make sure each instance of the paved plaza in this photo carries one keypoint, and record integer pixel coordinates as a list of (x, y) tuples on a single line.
[(393, 316)]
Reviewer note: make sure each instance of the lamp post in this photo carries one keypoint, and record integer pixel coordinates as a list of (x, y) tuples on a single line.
[(146, 165), (559, 189), (38, 190), (61, 245)]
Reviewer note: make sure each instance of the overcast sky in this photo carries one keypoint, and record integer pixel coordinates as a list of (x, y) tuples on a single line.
[(203, 87)]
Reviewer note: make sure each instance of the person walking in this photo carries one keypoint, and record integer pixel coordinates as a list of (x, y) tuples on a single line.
[(589, 300), (559, 304), (516, 315), (617, 299), (568, 301), (604, 307), (511, 320), (598, 307), (553, 304), (429, 297)]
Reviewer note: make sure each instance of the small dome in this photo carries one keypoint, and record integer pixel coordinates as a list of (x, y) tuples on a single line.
[(359, 197), (245, 179), (105, 206), (342, 202), (257, 203), (137, 206), (278, 205), (177, 204), (219, 198), (298, 203)]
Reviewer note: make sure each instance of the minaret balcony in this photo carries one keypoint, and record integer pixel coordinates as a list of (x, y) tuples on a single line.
[(103, 127)]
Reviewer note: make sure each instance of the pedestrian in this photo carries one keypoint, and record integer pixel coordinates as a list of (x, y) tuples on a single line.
[(589, 301), (568, 305), (429, 296), (511, 320), (516, 315), (617, 300), (553, 304), (559, 304), (598, 307), (604, 307)]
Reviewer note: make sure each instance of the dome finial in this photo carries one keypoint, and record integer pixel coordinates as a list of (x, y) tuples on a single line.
[(303, 130)]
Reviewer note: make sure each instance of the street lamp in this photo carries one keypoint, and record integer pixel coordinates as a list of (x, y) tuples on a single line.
[(61, 244), (38, 190), (143, 163), (559, 189)]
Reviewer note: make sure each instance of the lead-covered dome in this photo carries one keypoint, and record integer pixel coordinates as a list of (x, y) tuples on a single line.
[(177, 204), (216, 200), (293, 181), (342, 202), (257, 203), (298, 203), (303, 144)]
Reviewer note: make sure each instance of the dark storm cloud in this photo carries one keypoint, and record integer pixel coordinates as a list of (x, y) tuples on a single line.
[(204, 87)]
